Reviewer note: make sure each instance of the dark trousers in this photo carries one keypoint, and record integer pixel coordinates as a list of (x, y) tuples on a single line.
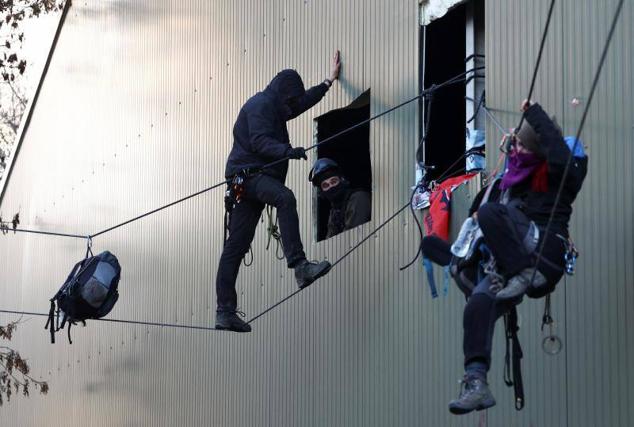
[(260, 190), (480, 314), (504, 228)]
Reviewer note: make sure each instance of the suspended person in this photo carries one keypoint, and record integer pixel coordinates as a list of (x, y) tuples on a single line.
[(513, 229), (261, 137), (349, 207)]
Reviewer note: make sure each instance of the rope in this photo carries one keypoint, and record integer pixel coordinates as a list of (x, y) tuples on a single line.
[(419, 186), (539, 57), (48, 233), (578, 136), (460, 77), (341, 258), (273, 231), (451, 81), (345, 255), (153, 211), (490, 116), (133, 322), (173, 325)]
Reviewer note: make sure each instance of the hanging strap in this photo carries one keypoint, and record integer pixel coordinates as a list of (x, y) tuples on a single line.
[(50, 323), (273, 231), (513, 358), (70, 341), (429, 269)]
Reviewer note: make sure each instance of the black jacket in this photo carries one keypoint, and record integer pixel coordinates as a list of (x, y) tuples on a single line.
[(537, 205), (259, 134)]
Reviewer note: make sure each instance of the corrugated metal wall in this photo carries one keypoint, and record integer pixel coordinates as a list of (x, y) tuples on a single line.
[(137, 111)]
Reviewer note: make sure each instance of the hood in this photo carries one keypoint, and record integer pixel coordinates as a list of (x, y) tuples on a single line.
[(286, 84)]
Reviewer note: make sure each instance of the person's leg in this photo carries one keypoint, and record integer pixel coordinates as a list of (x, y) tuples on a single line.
[(504, 232), (480, 314), (243, 222), (272, 192)]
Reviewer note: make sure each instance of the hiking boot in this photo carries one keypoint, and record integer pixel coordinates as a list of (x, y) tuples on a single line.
[(307, 272), (474, 396), (517, 285), (229, 321)]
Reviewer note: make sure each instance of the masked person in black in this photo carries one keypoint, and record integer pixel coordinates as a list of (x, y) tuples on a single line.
[(512, 220), (349, 207), (261, 137)]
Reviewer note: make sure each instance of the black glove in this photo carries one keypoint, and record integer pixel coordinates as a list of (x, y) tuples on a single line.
[(296, 153)]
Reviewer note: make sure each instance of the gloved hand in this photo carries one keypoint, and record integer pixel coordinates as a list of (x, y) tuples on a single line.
[(296, 153)]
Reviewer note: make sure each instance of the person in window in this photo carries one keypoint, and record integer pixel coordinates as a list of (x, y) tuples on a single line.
[(349, 207), (260, 137), (519, 205)]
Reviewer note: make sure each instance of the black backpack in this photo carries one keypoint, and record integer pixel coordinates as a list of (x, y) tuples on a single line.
[(89, 292)]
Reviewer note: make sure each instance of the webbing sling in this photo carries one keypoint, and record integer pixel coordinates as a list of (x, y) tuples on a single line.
[(513, 358)]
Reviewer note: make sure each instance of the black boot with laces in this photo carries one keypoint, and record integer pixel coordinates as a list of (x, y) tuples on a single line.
[(307, 272), (230, 321)]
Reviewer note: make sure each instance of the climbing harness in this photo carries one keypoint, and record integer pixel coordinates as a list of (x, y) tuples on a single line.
[(233, 195)]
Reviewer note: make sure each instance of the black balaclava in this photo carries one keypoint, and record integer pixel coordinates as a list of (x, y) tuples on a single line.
[(337, 195)]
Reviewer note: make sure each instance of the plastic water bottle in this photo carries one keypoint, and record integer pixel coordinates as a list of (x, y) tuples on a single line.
[(468, 231)]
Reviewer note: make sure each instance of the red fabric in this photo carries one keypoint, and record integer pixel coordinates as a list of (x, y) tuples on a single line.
[(437, 219), (539, 182)]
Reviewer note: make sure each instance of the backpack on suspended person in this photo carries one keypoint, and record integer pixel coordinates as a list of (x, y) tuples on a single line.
[(89, 292)]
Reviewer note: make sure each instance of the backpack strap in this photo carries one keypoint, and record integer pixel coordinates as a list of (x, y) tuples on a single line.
[(70, 341), (50, 323)]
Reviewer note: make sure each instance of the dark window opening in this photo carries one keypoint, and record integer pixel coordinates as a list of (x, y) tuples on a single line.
[(445, 51), (351, 151)]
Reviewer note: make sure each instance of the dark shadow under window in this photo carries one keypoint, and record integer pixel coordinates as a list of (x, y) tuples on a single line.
[(351, 151)]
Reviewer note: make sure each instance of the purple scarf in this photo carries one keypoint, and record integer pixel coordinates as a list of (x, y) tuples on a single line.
[(520, 166)]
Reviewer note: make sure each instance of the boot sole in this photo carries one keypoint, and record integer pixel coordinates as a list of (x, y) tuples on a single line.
[(226, 328), (504, 297), (463, 411), (319, 274)]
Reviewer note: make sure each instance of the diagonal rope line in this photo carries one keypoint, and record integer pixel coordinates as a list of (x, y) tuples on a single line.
[(490, 116), (578, 136), (269, 309), (162, 207), (539, 57), (457, 79), (341, 258)]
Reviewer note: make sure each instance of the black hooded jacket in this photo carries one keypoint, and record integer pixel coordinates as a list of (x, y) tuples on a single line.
[(259, 134), (537, 206)]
